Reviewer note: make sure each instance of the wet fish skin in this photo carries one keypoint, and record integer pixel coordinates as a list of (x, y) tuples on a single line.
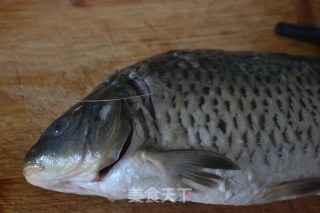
[(254, 116), (222, 93), (259, 110)]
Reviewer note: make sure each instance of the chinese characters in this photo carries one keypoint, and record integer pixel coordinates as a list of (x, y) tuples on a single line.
[(137, 195)]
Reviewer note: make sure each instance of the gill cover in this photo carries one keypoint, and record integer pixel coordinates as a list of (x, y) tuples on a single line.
[(111, 125)]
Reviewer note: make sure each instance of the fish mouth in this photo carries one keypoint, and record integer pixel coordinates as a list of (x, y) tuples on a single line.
[(31, 169), (103, 172)]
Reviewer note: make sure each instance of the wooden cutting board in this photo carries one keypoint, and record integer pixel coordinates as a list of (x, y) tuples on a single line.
[(63, 49)]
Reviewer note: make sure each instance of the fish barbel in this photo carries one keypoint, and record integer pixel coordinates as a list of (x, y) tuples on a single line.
[(236, 128)]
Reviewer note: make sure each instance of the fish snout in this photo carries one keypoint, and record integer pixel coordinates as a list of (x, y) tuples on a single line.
[(31, 168)]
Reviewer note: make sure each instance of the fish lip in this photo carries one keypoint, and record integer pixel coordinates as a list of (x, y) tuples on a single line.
[(32, 168), (103, 172)]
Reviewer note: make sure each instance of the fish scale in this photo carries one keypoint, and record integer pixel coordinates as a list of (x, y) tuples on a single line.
[(237, 128), (245, 101)]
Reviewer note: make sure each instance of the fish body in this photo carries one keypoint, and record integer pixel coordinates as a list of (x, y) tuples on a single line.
[(235, 128)]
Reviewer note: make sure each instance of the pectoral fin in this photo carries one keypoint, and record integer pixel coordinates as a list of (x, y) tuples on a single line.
[(294, 188), (182, 165)]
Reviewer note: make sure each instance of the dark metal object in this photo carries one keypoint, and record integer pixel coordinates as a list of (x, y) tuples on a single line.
[(303, 33)]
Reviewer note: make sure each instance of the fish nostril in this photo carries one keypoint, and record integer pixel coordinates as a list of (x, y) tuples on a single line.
[(30, 169)]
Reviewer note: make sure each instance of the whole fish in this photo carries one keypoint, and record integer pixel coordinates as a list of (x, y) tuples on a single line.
[(231, 128)]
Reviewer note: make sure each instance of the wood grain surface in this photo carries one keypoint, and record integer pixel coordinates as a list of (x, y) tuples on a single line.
[(63, 49)]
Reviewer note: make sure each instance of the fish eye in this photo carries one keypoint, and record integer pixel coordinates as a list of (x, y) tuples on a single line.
[(60, 126)]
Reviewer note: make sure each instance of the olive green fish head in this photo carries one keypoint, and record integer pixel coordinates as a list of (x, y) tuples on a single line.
[(85, 140)]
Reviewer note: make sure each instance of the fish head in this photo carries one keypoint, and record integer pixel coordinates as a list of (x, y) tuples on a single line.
[(85, 140)]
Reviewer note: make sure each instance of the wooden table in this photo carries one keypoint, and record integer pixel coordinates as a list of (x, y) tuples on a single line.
[(63, 49)]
